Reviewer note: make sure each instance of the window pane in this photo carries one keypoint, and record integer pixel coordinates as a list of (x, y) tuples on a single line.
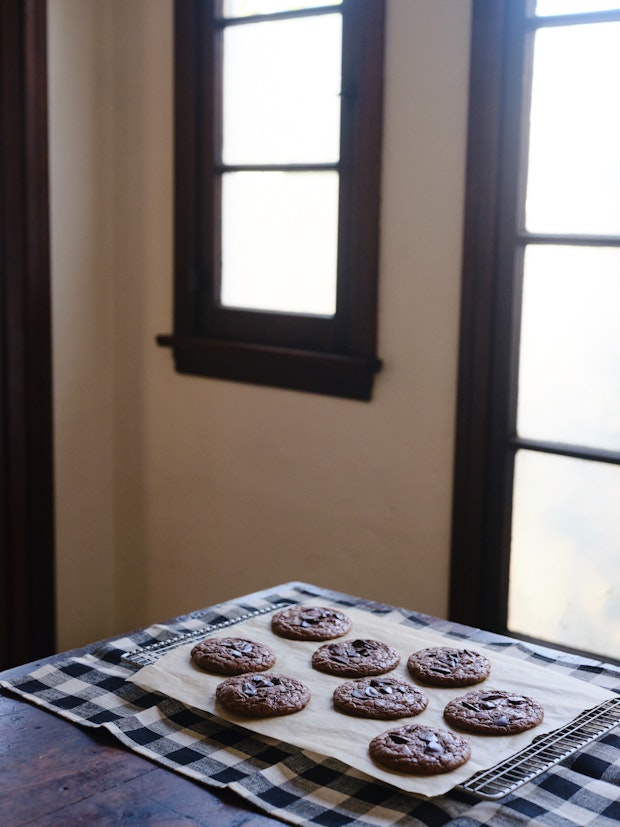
[(564, 570), (574, 165), (549, 7), (279, 241), (569, 386), (244, 8), (282, 84)]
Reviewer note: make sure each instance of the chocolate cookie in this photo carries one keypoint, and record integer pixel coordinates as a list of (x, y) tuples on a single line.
[(262, 696), (420, 750), (445, 666), (493, 712), (310, 623), (232, 656), (355, 658), (382, 698)]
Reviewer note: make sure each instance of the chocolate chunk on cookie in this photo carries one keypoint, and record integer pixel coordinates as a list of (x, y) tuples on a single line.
[(446, 666), (263, 696), (232, 656), (490, 712), (381, 698), (420, 750), (310, 623), (355, 658)]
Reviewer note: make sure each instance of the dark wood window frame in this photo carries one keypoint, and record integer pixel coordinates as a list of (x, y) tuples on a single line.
[(27, 588), (494, 241), (479, 573), (323, 354)]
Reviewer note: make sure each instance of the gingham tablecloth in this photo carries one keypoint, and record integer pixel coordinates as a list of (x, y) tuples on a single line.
[(301, 787)]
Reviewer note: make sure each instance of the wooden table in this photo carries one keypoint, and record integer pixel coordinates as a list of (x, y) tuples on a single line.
[(55, 773)]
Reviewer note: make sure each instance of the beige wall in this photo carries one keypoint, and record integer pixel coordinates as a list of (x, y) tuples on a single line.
[(83, 321), (175, 492)]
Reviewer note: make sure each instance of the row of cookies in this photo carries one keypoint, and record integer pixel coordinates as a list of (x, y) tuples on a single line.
[(437, 666), (349, 659)]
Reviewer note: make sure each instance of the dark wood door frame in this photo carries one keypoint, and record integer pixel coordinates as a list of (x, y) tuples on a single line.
[(27, 606)]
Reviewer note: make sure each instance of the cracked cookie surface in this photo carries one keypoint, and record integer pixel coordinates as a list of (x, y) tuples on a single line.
[(355, 658), (310, 623), (263, 696), (420, 750), (232, 656), (448, 666), (379, 697), (489, 712)]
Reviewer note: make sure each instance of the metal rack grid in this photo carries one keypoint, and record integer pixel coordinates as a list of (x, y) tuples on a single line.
[(145, 655), (544, 752)]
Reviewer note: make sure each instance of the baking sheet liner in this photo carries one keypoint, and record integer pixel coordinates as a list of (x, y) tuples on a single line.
[(321, 729)]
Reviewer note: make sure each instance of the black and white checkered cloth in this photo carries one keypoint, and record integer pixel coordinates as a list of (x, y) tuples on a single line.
[(301, 787)]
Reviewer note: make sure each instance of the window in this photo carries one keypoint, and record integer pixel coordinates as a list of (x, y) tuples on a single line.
[(278, 112), (537, 477)]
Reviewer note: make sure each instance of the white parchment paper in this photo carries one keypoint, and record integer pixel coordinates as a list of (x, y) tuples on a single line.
[(321, 729)]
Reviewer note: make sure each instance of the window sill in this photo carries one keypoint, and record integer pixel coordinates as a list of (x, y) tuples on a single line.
[(350, 377)]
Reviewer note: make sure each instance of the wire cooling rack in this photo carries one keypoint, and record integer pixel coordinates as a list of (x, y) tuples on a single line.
[(544, 752), (494, 783), (146, 655)]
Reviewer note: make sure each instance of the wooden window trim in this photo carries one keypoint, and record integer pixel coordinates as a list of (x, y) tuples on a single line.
[(483, 461), (329, 355), (27, 590)]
